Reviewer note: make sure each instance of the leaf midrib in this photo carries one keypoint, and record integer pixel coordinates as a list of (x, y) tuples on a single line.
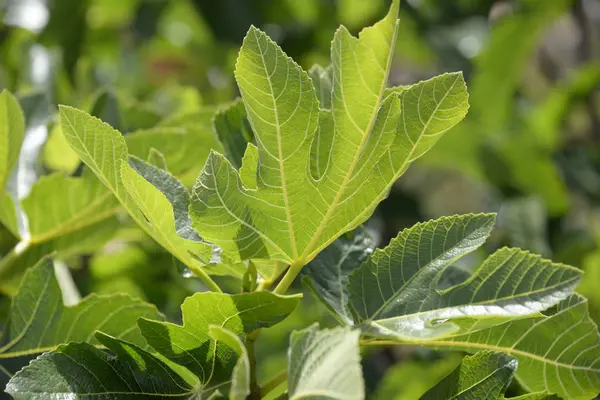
[(308, 253), (284, 192)]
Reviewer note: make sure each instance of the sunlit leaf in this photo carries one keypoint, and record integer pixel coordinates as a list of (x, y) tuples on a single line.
[(291, 216), (104, 151)]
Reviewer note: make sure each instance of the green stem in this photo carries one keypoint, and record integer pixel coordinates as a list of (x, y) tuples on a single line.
[(288, 278), (254, 388), (212, 285), (273, 383), (9, 259)]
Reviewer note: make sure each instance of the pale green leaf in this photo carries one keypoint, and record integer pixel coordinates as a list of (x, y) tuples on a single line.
[(327, 274), (367, 137), (558, 353), (58, 204), (325, 364), (64, 215), (485, 375), (39, 321), (191, 346), (240, 378), (104, 151), (81, 371), (12, 132), (402, 290)]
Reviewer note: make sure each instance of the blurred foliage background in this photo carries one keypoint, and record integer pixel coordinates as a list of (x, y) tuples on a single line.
[(529, 148)]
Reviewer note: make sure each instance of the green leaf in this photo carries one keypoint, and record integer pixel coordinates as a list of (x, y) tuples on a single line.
[(63, 215), (12, 132), (184, 142), (401, 290), (81, 371), (325, 364), (234, 131), (372, 137), (39, 321), (485, 375), (398, 382), (104, 151), (240, 378), (327, 274), (58, 204), (558, 352), (191, 345)]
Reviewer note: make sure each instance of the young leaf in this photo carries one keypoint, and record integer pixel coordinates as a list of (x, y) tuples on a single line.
[(79, 370), (327, 274), (191, 345), (325, 364), (399, 290), (558, 353), (104, 151), (240, 378), (291, 216), (485, 375), (39, 321)]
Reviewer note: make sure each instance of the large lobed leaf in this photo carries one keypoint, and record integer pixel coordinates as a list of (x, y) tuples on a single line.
[(296, 207), (39, 321)]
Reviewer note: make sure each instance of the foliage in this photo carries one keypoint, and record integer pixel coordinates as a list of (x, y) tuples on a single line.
[(215, 213)]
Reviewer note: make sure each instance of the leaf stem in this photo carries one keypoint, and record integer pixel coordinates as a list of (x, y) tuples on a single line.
[(8, 260), (273, 383), (199, 272), (288, 278), (68, 288), (249, 343)]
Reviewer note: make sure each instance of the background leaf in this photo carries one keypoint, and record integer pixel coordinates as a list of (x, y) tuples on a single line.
[(39, 321), (325, 364), (191, 345), (80, 370)]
